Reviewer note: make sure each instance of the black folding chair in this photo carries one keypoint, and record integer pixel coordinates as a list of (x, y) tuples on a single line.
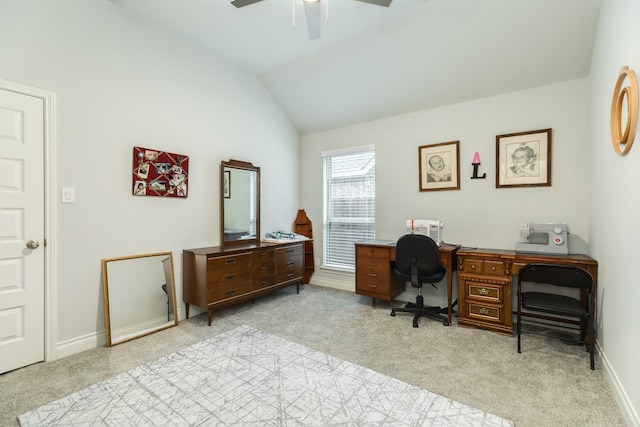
[(557, 304)]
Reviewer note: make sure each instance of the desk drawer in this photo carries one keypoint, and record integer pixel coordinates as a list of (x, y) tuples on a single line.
[(485, 292), (486, 267), (485, 312)]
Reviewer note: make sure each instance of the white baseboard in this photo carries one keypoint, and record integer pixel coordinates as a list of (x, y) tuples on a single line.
[(80, 344), (626, 407), (87, 342), (333, 284)]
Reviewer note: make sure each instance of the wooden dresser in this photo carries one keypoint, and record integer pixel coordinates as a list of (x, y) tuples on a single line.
[(485, 276), (216, 277)]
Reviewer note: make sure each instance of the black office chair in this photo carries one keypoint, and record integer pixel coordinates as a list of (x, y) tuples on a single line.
[(560, 305), (169, 304), (418, 261)]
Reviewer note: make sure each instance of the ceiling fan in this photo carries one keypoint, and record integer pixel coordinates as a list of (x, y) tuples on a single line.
[(311, 12)]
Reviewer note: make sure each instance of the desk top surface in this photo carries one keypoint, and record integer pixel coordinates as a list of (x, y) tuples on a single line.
[(392, 243), (522, 256)]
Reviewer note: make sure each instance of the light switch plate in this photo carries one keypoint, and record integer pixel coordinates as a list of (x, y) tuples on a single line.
[(68, 195)]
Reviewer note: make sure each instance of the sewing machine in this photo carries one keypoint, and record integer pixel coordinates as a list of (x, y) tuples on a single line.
[(428, 227), (545, 238)]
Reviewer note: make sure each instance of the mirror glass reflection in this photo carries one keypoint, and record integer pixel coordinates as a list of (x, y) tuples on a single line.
[(139, 295), (240, 202)]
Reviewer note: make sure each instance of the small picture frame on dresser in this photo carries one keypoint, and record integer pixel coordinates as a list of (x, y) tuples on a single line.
[(226, 187)]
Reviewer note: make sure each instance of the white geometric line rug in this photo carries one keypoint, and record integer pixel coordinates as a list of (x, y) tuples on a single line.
[(246, 377)]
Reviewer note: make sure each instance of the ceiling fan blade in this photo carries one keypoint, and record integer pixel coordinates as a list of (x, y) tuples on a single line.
[(313, 15), (384, 3), (243, 3)]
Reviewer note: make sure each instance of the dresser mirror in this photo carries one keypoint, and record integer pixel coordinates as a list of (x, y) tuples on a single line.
[(139, 296), (239, 203)]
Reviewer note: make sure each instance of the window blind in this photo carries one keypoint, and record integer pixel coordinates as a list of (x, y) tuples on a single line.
[(349, 205)]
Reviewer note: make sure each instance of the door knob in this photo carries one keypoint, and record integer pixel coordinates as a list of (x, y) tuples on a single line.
[(33, 244)]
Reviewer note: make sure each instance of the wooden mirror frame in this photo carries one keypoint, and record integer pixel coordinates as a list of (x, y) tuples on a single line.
[(226, 193), (145, 327)]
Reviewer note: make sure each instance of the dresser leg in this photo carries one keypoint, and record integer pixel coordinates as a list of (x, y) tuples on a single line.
[(373, 302), (209, 313), (186, 309)]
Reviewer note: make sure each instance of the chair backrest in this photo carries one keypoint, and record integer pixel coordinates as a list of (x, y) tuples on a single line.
[(559, 275), (417, 250)]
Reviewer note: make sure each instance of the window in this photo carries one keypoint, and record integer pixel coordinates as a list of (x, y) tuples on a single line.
[(349, 204)]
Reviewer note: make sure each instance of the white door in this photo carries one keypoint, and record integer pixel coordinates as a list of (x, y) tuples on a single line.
[(21, 230)]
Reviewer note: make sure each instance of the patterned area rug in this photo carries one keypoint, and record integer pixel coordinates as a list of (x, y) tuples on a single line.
[(246, 377)]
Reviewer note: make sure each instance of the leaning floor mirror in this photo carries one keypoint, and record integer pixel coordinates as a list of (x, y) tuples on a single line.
[(139, 296)]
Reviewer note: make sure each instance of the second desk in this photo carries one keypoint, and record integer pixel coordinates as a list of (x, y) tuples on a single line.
[(374, 270)]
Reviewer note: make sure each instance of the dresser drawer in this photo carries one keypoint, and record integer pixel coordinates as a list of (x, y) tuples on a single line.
[(258, 283), (230, 287), (259, 256), (285, 256), (262, 270), (229, 263), (289, 263), (485, 292), (262, 263)]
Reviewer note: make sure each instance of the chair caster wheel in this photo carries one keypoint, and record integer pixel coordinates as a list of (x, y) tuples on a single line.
[(393, 313), (415, 325)]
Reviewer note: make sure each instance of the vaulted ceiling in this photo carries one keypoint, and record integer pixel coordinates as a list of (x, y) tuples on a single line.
[(372, 62)]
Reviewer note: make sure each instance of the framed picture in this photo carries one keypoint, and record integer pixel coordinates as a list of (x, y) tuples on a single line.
[(523, 159), (440, 166), (227, 185)]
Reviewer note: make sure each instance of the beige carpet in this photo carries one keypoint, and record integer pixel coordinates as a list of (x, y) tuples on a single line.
[(549, 384)]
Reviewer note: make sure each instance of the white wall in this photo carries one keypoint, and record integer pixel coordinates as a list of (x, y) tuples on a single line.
[(478, 214), (615, 202), (121, 82)]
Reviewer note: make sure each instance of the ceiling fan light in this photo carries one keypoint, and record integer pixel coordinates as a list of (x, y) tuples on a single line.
[(311, 1)]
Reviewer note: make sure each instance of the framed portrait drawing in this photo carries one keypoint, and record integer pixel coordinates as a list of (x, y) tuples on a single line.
[(439, 166), (227, 185), (523, 159)]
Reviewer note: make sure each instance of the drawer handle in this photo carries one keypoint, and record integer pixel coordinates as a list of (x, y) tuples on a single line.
[(484, 311), (473, 267), (263, 269), (483, 291), (290, 275), (289, 251), (229, 277), (290, 263), (373, 286), (372, 275), (263, 254), (373, 264), (230, 261), (493, 268), (231, 292)]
